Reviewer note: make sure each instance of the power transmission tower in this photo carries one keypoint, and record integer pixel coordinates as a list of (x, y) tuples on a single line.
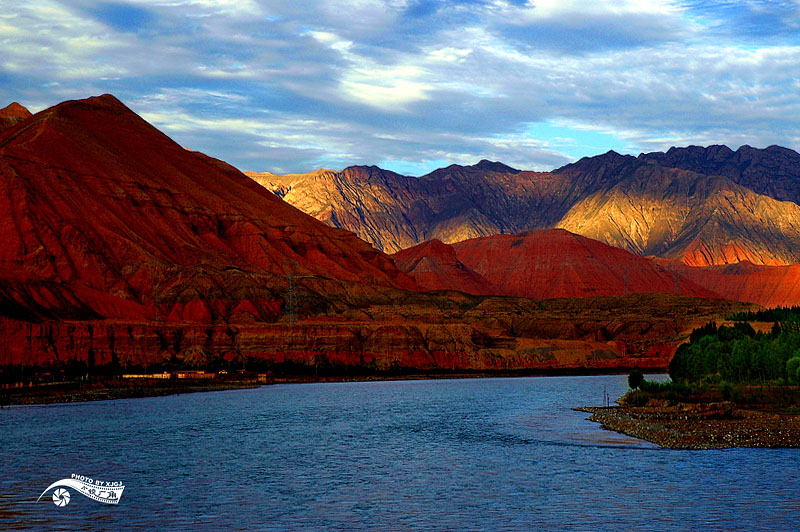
[(291, 297)]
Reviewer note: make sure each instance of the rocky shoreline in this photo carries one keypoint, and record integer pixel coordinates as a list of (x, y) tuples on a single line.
[(700, 426)]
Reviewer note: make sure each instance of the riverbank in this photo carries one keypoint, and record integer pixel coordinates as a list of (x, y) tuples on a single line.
[(701, 426), (78, 393), (100, 390)]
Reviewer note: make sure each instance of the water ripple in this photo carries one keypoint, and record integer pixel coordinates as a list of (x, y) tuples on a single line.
[(489, 454)]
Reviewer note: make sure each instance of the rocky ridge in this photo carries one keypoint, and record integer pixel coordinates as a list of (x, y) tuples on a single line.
[(702, 206)]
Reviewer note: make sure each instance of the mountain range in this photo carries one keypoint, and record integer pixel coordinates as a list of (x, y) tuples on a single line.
[(119, 244), (701, 206), (122, 247)]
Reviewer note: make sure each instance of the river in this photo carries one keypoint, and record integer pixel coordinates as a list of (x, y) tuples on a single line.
[(473, 454)]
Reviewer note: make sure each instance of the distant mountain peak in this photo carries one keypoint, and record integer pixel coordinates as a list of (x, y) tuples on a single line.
[(687, 155), (495, 166), (592, 164), (14, 110), (369, 172), (12, 115), (779, 149)]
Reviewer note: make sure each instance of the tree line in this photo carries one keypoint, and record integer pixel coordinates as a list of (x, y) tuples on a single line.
[(777, 314), (739, 354)]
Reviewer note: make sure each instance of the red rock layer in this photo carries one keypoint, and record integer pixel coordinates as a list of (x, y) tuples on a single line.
[(449, 331), (102, 215), (371, 346), (541, 265), (768, 286)]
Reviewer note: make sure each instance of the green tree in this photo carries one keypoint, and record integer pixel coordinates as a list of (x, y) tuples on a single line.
[(792, 367), (635, 379), (677, 366), (740, 360)]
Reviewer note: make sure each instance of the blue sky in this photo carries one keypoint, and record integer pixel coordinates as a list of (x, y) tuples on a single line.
[(412, 85)]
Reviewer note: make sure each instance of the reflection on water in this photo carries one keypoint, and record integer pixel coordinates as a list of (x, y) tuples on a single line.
[(482, 454)]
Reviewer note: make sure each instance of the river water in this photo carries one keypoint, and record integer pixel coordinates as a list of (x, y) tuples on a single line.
[(475, 454)]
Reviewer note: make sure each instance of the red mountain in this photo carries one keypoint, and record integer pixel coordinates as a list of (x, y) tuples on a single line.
[(435, 266), (768, 286), (540, 265), (12, 115), (103, 215)]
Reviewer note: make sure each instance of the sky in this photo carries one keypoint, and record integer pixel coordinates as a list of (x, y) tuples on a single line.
[(414, 85)]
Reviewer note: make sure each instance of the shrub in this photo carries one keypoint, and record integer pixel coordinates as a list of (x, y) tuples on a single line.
[(636, 398), (727, 391), (635, 378), (654, 387)]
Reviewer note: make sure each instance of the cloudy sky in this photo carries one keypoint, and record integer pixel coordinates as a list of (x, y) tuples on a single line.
[(412, 85)]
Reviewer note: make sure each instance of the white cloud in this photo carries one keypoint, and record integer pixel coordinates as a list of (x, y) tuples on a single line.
[(389, 87), (317, 83), (233, 8), (43, 37), (449, 54)]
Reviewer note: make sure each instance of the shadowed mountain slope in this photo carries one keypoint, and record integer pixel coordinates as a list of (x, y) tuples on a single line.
[(451, 204)]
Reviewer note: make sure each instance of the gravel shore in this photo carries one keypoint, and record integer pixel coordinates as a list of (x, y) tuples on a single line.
[(700, 426)]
